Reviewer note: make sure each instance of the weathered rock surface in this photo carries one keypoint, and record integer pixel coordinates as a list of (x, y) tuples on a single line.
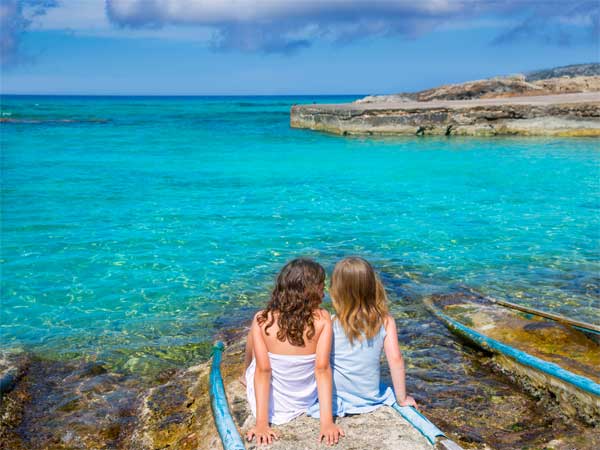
[(559, 80), (82, 405), (382, 429), (87, 407), (515, 86), (66, 406), (552, 115), (572, 70)]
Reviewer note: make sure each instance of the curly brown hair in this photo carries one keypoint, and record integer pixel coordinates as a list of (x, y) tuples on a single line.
[(297, 294)]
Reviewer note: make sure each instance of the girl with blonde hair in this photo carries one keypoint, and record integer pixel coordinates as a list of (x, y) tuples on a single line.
[(362, 329)]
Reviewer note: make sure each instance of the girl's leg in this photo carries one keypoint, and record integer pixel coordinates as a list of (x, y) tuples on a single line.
[(247, 357), (249, 351)]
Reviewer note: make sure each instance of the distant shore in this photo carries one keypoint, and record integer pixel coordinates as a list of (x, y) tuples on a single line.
[(562, 101), (563, 115)]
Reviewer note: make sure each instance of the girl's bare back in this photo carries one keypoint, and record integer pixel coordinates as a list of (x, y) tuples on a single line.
[(274, 345)]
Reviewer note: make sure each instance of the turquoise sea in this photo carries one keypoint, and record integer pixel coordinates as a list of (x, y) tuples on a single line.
[(135, 228)]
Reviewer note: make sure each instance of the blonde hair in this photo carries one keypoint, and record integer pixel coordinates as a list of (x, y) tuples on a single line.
[(358, 297)]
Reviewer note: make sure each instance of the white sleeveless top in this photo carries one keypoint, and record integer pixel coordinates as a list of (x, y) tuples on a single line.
[(293, 386)]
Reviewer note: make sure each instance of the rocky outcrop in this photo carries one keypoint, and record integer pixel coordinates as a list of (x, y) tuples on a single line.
[(382, 429), (555, 115), (560, 80), (84, 406), (515, 86), (570, 71), (54, 405)]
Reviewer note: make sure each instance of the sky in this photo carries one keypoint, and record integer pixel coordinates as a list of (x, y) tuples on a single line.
[(283, 47)]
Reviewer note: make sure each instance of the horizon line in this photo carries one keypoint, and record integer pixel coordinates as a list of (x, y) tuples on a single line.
[(3, 94)]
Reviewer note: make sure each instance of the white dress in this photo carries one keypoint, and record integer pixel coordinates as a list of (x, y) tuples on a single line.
[(293, 386)]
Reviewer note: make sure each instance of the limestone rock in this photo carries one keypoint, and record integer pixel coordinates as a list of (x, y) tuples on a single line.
[(382, 429), (570, 71), (560, 80), (552, 115)]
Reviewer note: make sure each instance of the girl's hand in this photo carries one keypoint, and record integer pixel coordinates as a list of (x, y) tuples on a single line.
[(330, 433), (264, 434), (409, 401)]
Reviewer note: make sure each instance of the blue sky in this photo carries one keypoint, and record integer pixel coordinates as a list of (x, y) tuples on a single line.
[(230, 47)]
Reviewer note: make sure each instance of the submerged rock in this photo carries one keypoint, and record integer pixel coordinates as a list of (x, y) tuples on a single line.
[(13, 365), (57, 405)]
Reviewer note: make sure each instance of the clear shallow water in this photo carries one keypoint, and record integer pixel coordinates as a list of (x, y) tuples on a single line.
[(135, 228)]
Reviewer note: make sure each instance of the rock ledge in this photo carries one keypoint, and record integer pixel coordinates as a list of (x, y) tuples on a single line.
[(575, 114)]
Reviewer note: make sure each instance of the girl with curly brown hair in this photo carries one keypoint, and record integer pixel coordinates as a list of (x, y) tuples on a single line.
[(287, 354)]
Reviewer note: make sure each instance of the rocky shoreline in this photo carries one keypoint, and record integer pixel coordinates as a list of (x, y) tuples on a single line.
[(96, 409), (79, 404), (562, 115)]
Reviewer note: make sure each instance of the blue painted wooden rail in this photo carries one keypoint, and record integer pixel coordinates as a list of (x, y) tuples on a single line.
[(583, 383), (230, 437), (420, 422)]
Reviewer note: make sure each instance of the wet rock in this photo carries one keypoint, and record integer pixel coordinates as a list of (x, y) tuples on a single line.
[(13, 365), (175, 414), (83, 405), (76, 405)]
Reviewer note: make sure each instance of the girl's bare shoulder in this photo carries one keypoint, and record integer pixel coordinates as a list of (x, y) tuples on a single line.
[(389, 323), (260, 318), (322, 316)]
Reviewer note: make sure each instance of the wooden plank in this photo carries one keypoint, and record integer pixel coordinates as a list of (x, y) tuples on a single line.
[(556, 317)]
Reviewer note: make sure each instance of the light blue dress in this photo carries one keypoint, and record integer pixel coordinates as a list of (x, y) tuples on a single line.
[(356, 371)]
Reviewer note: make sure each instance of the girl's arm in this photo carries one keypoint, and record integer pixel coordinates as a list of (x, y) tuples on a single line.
[(329, 431), (396, 363), (262, 386)]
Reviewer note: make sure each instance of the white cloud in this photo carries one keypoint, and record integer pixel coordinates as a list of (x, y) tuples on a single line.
[(15, 18), (286, 25), (73, 15), (88, 18), (282, 26)]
